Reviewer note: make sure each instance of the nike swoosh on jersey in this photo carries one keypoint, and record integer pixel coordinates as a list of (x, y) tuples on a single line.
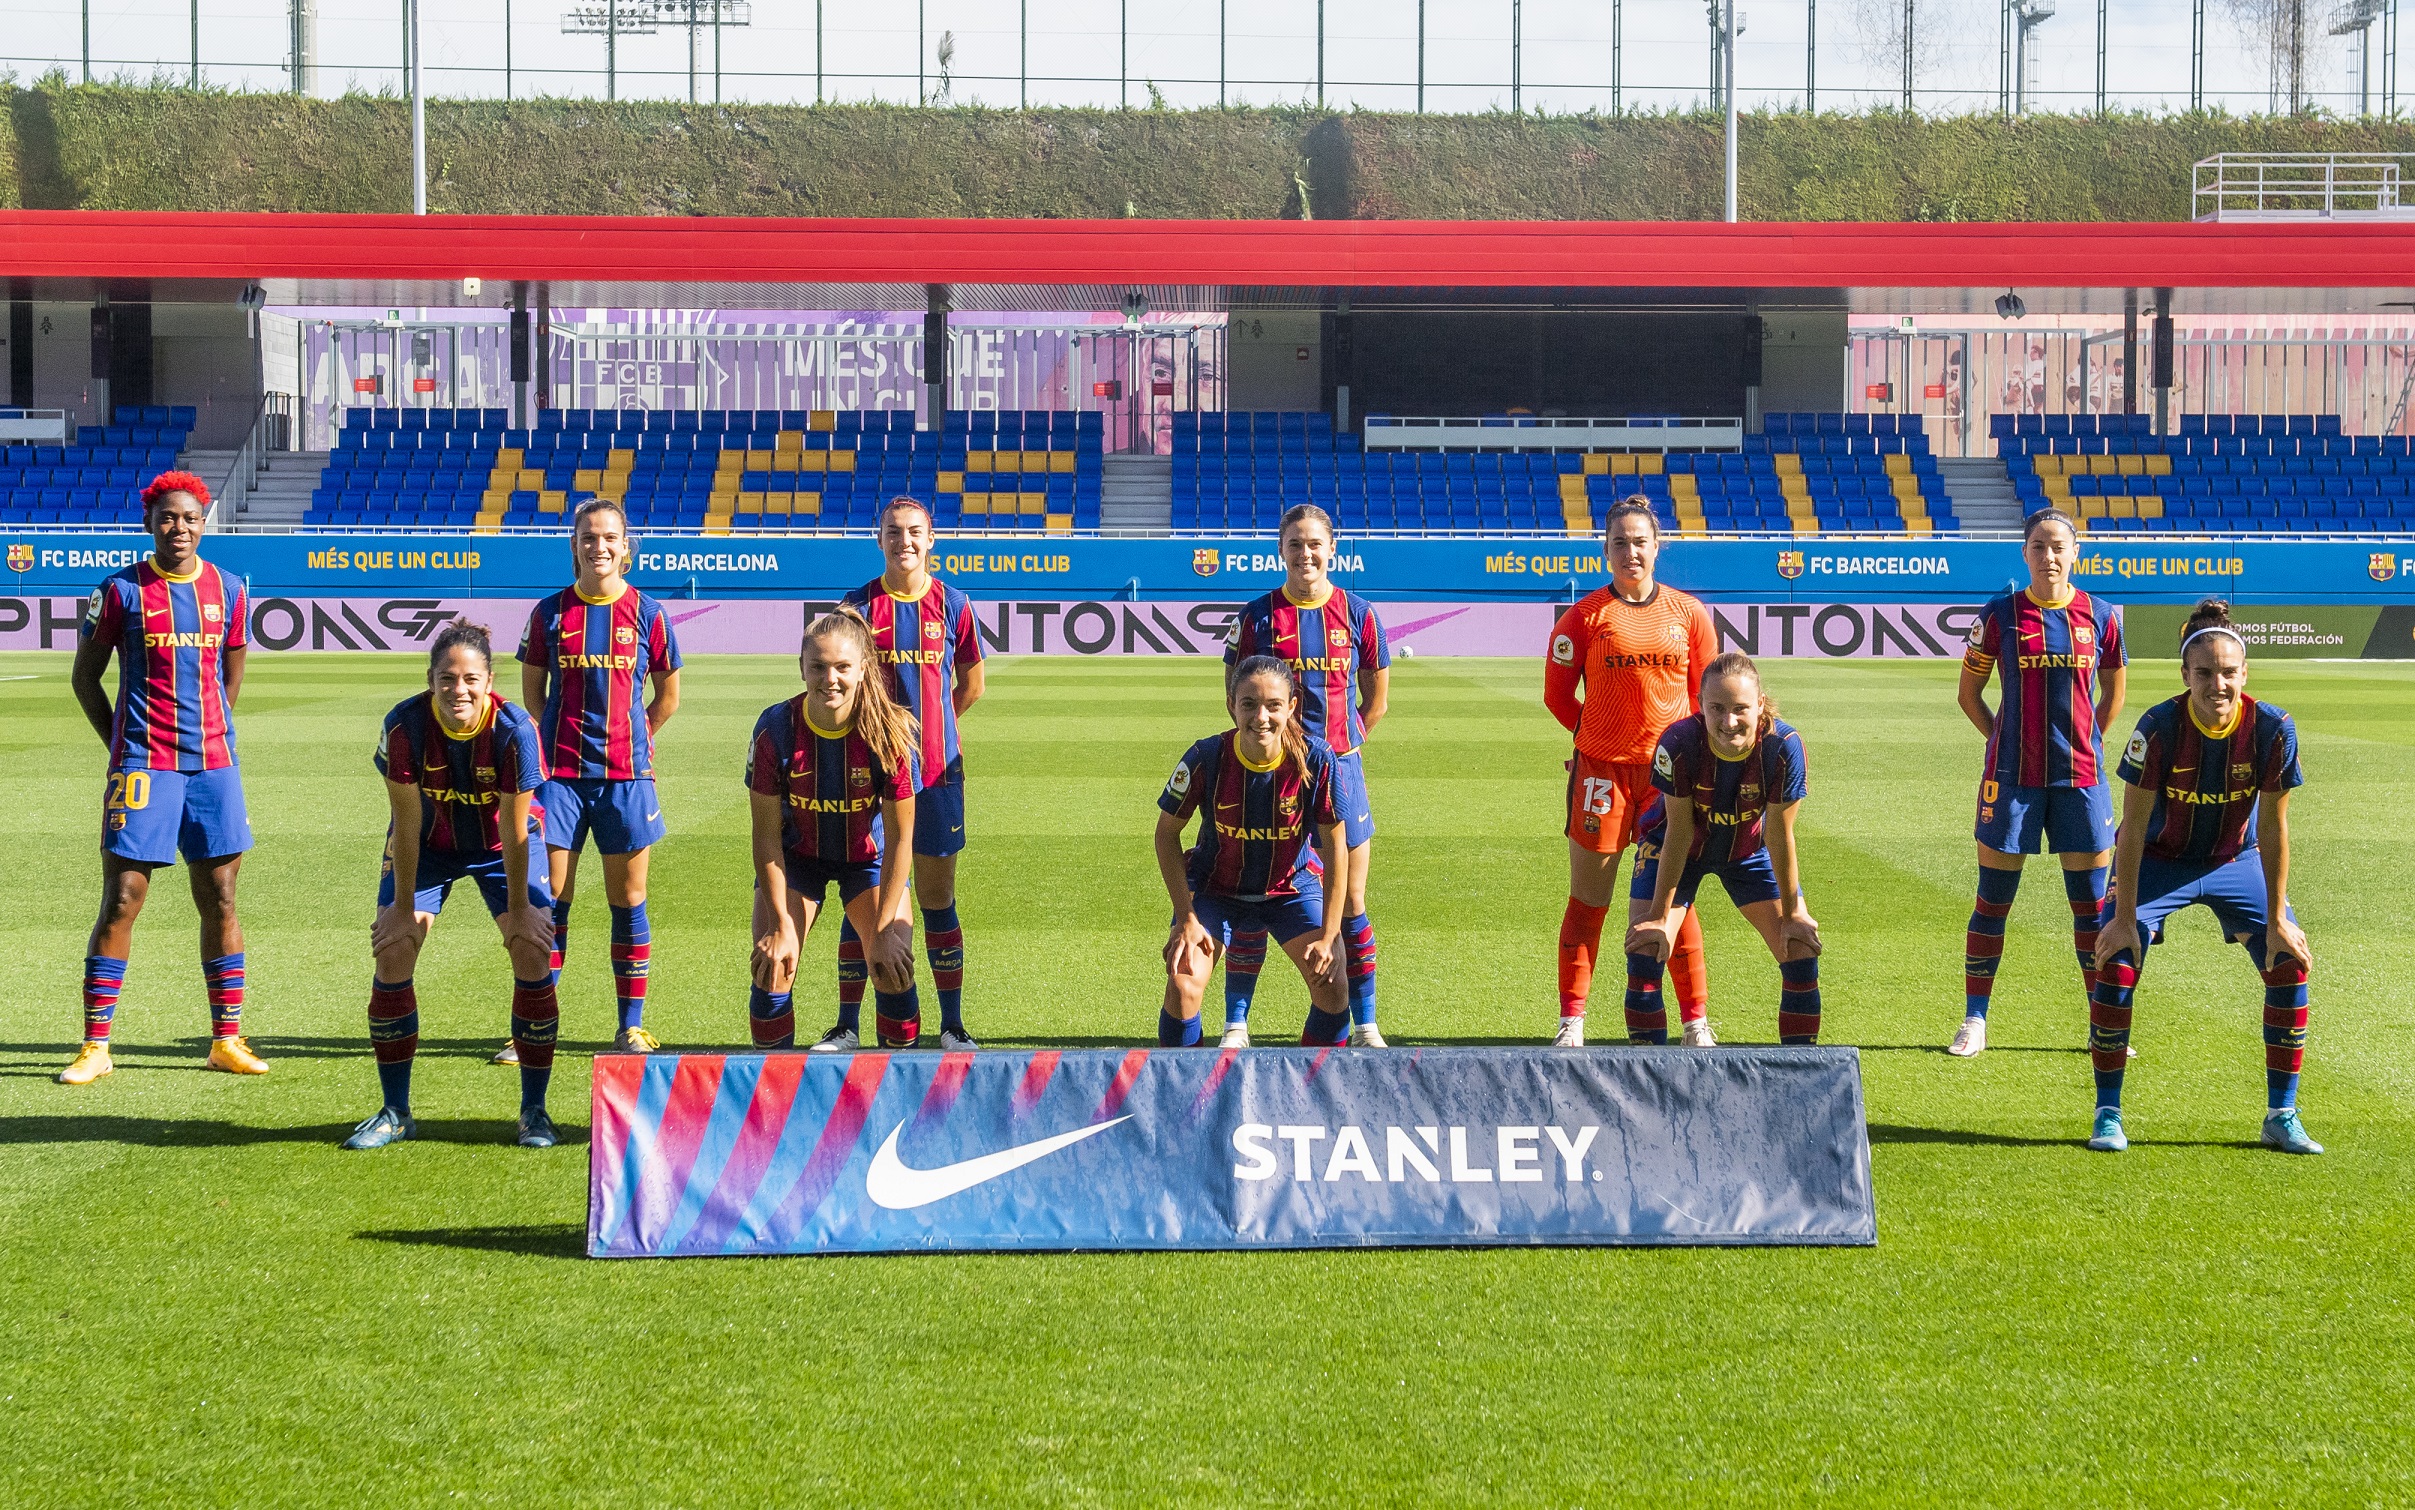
[(650, 817), (895, 1186)]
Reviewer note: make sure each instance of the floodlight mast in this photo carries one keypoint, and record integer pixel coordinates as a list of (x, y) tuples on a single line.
[(2028, 16)]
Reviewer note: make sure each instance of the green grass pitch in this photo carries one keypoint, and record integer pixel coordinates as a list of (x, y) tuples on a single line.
[(203, 1301)]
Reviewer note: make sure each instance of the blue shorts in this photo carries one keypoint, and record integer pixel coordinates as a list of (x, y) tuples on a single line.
[(151, 817), (2070, 820), (623, 816), (939, 814), (1281, 919), (812, 878), (2233, 891), (1350, 800), (438, 872), (1751, 879)]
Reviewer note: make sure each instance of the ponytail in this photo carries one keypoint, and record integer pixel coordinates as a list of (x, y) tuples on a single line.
[(2210, 616), (884, 723), (1295, 736)]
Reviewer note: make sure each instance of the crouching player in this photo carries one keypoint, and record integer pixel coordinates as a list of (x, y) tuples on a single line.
[(2205, 820), (462, 767), (830, 779), (1730, 778), (1269, 856)]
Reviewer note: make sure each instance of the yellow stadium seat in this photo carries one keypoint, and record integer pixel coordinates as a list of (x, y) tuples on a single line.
[(510, 459), (823, 420), (587, 479), (788, 440), (553, 501), (2130, 466), (754, 461), (1035, 461), (1789, 464), (1035, 504), (749, 503), (1898, 465), (621, 462), (775, 504), (975, 504), (813, 461), (807, 506), (2090, 508), (2103, 466), (1597, 464), (1651, 464), (979, 461), (1060, 461), (528, 481), (1060, 524), (785, 461), (842, 461), (2149, 506), (2158, 466), (951, 482)]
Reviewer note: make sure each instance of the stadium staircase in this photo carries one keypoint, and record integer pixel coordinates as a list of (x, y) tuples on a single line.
[(281, 497), (1982, 495), (1136, 496)]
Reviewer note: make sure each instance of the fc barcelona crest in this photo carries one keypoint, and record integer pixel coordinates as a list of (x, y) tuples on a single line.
[(859, 776), (1205, 560), (20, 556), (932, 629), (1790, 564), (2381, 565)]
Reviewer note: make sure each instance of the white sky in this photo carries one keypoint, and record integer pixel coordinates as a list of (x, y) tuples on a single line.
[(870, 51)]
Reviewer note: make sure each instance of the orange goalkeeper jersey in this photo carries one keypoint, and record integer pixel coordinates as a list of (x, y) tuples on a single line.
[(1640, 665)]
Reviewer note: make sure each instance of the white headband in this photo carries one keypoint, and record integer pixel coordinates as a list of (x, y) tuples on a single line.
[(2211, 629)]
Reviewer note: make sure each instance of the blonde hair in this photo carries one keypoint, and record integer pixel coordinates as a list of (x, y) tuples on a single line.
[(884, 723)]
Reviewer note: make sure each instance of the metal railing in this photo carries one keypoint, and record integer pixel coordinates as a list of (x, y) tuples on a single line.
[(271, 429), (1532, 432), (2302, 186), (41, 427)]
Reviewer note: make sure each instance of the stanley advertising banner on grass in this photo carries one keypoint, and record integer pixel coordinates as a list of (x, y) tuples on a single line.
[(706, 1154)]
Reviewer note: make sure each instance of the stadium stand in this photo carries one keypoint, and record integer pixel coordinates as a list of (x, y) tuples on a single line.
[(718, 471), (1806, 473), (2221, 473), (99, 478)]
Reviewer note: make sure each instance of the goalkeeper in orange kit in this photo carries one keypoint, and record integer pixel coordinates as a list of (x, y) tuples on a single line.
[(1638, 651)]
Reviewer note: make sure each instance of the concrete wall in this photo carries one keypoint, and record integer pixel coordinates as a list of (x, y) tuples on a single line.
[(1802, 360), (205, 355), (1265, 365)]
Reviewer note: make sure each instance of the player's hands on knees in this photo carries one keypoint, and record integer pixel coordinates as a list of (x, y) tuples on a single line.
[(524, 924), (395, 926), (1798, 936), (1189, 952), (2120, 936), (892, 951), (2286, 937), (1323, 959), (1654, 938), (774, 958)]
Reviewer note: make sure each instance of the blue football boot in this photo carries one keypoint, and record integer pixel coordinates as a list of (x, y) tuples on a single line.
[(2283, 1130), (536, 1129), (2109, 1137), (388, 1126)]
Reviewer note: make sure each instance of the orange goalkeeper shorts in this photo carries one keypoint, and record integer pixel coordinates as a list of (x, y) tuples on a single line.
[(1605, 799)]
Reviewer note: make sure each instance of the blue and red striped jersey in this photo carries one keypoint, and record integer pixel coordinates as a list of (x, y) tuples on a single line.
[(923, 642), (463, 778), (2048, 659), (1328, 643), (1257, 840), (829, 785), (597, 657), (1731, 797), (2206, 780), (171, 635)]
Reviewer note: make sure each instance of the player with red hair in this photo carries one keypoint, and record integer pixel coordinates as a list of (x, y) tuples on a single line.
[(178, 627)]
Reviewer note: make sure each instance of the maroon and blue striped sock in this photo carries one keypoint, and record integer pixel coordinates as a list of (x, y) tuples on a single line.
[(1983, 944), (852, 975), (943, 947), (561, 936), (771, 1018), (104, 977), (1358, 956), (536, 1021), (1325, 1028), (2284, 1031), (1799, 1000), (632, 962), (898, 1016), (1243, 959), (1647, 1008), (2086, 889), (2109, 1025), (394, 1038), (223, 977)]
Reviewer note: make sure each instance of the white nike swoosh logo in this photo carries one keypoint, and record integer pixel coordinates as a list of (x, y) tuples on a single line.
[(895, 1187), (650, 817)]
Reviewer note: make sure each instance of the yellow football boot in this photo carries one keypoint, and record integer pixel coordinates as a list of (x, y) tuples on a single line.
[(235, 1057), (636, 1041), (91, 1063)]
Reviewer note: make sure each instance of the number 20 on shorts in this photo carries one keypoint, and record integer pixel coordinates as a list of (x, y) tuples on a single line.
[(128, 791)]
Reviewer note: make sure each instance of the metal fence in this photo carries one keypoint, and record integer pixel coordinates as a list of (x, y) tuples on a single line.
[(2303, 186)]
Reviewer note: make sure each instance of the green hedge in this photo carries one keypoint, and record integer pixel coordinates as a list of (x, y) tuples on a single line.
[(120, 147)]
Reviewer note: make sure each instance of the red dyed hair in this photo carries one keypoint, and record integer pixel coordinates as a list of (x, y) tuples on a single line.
[(175, 482)]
